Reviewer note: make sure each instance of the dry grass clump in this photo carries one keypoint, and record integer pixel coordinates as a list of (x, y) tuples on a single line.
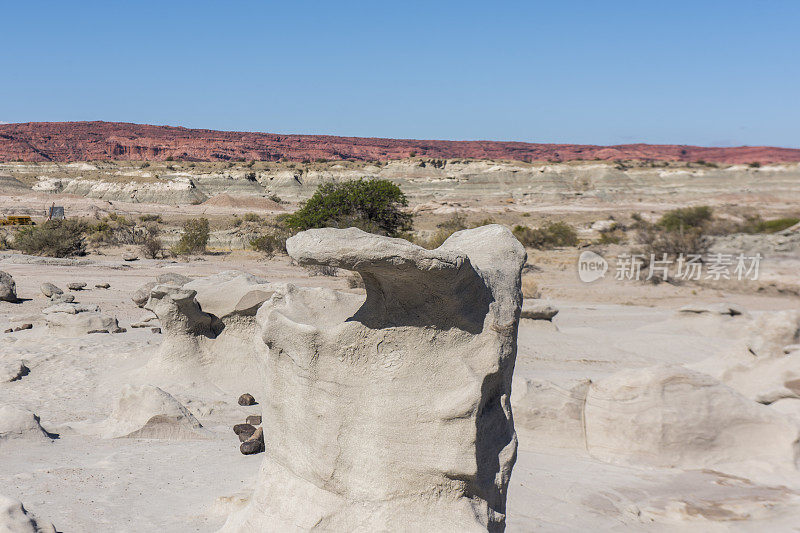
[(551, 235)]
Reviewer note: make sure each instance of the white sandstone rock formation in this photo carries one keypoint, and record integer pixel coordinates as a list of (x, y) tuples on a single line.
[(74, 320), (551, 416), (8, 289), (395, 416), (217, 342), (18, 423), (674, 417), (14, 518), (148, 412), (12, 370)]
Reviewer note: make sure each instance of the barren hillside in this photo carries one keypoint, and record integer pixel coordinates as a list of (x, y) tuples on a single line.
[(90, 141)]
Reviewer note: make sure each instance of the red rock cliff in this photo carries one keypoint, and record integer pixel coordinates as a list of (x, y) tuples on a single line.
[(85, 141)]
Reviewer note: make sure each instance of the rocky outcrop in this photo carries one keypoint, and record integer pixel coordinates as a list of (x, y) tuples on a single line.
[(85, 141), (19, 423), (8, 288), (396, 414), (210, 330), (74, 320), (151, 413), (675, 417), (14, 518)]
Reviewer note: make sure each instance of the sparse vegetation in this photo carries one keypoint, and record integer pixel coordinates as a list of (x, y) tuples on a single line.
[(194, 238), (151, 245), (151, 218), (551, 235), (686, 217), (756, 224), (374, 205), (112, 229), (54, 238), (271, 243)]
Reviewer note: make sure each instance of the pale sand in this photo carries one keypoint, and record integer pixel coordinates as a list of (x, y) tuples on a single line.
[(81, 482)]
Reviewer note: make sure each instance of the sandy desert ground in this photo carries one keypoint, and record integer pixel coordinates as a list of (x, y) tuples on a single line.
[(81, 481), (637, 406)]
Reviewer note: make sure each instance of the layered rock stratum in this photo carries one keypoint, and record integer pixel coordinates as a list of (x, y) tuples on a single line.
[(87, 141)]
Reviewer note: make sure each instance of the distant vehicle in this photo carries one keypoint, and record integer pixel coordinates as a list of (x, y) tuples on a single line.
[(16, 220)]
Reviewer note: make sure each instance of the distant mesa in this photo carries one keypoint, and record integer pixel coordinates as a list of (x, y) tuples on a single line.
[(87, 141)]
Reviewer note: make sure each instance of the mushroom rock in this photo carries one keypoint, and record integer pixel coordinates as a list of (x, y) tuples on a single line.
[(393, 413)]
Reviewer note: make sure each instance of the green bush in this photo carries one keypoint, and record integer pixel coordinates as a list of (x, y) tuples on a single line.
[(112, 229), (251, 217), (149, 242), (551, 235), (54, 238), (756, 224), (373, 205), (151, 218), (686, 217), (194, 238)]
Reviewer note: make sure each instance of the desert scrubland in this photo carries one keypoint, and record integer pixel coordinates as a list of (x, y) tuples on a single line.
[(384, 398)]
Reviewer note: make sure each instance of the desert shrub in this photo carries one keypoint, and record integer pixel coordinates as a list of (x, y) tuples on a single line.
[(754, 164), (54, 238), (551, 235), (194, 238), (149, 242), (756, 224), (613, 236), (686, 217), (658, 242), (112, 229), (275, 198), (251, 217), (270, 243), (151, 218), (374, 205)]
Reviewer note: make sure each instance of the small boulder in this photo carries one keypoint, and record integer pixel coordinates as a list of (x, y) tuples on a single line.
[(254, 420), (172, 278), (103, 285), (8, 289), (23, 327), (247, 399), (12, 371), (62, 298), (9, 330), (50, 290), (14, 518), (119, 330), (244, 431), (255, 444), (128, 256), (97, 331), (142, 294), (155, 330), (76, 286), (538, 311)]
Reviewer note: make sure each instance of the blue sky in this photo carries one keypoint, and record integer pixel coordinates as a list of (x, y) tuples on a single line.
[(601, 72)]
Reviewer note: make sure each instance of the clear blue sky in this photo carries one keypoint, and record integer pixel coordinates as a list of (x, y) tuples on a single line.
[(603, 72)]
